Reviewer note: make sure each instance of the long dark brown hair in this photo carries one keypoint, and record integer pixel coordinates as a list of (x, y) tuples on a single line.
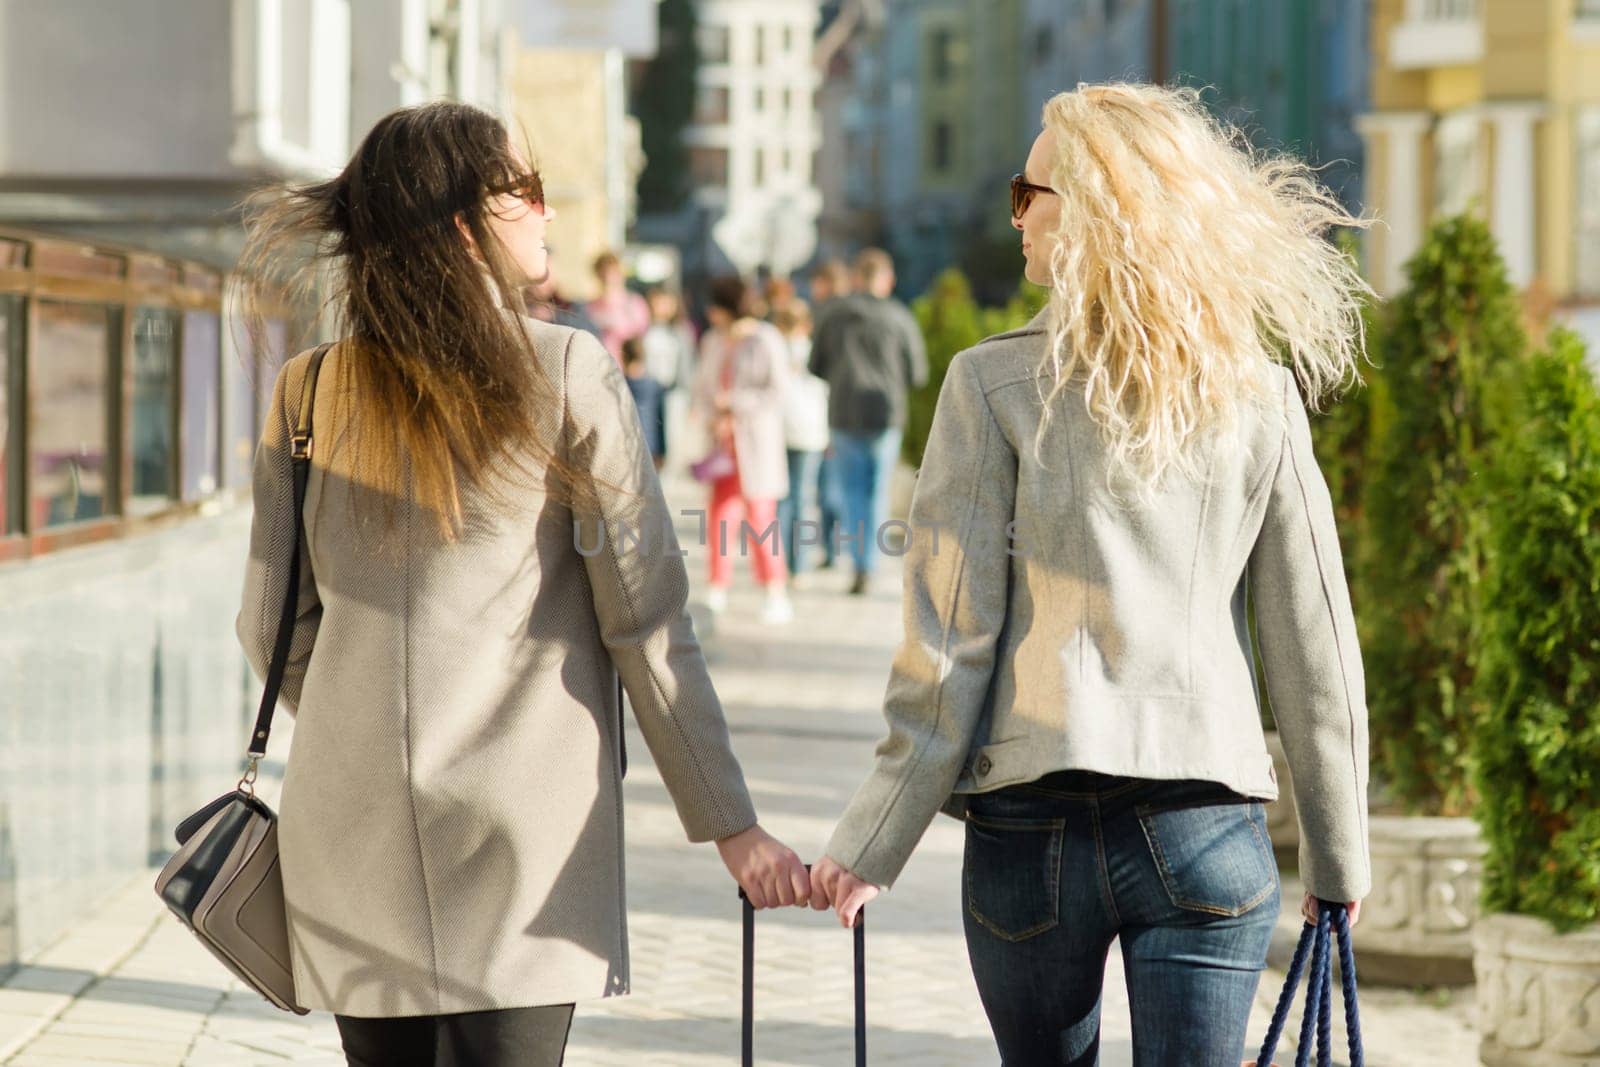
[(445, 375)]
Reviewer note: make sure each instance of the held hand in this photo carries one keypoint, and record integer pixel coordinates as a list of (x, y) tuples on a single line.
[(770, 874), (1308, 910), (833, 886)]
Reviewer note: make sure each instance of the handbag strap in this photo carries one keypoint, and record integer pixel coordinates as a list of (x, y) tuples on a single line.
[(1316, 942), (747, 1030), (300, 456)]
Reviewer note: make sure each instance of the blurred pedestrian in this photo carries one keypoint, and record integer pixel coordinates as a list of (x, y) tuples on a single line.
[(1076, 678), (805, 427), (620, 312), (669, 354), (739, 393), (545, 301), (778, 294), (647, 398), (870, 351), (829, 280), (450, 829)]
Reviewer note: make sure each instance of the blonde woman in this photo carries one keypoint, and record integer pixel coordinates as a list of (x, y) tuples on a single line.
[(1076, 678)]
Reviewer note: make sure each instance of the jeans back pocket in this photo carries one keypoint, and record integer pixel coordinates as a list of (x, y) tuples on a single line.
[(1012, 869), (1212, 858)]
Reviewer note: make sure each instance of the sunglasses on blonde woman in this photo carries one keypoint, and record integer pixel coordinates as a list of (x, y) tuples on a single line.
[(1022, 194)]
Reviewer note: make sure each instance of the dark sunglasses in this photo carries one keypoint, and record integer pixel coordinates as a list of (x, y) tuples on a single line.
[(1022, 194), (529, 188)]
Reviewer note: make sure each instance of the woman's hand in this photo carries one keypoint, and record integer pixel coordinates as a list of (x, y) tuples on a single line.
[(768, 871), (1308, 910), (832, 885)]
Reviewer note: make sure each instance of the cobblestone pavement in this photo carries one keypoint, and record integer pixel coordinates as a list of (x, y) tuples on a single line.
[(129, 986)]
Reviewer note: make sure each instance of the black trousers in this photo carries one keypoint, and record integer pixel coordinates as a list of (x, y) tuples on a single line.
[(511, 1037)]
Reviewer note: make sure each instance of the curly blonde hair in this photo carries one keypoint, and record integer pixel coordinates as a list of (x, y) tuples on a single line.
[(1184, 263)]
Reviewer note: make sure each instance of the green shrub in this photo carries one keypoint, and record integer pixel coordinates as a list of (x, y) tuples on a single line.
[(1537, 744), (1450, 339), (951, 321)]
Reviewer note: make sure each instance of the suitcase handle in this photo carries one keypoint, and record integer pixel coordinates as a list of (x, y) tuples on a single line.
[(747, 1035)]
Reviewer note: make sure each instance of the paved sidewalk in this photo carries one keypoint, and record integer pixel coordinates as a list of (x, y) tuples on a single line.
[(130, 986)]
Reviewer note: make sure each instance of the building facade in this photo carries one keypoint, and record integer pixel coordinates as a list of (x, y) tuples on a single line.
[(1492, 105), (756, 132), (131, 402), (146, 123), (1291, 73)]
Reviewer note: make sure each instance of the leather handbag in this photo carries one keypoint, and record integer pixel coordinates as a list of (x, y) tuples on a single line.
[(224, 882), (1318, 942)]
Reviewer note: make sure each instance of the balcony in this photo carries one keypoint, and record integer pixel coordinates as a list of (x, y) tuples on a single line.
[(1437, 33)]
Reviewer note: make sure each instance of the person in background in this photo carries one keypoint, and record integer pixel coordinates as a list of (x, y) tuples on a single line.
[(870, 351), (647, 397), (739, 390), (829, 280), (669, 351), (620, 312), (543, 301), (778, 294), (805, 429)]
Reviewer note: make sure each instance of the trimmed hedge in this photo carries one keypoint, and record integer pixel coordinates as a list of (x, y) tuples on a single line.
[(1450, 339), (1537, 743), (951, 322)]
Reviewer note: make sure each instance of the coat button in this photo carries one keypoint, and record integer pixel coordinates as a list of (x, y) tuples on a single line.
[(984, 766)]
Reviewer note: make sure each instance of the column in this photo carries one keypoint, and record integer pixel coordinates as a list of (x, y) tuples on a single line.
[(1401, 206), (1511, 215)]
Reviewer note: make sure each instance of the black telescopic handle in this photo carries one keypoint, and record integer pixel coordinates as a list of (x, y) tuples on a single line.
[(747, 1029)]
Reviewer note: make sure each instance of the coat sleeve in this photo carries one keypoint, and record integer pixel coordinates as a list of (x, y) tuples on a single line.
[(956, 591), (1313, 666), (272, 534), (640, 590)]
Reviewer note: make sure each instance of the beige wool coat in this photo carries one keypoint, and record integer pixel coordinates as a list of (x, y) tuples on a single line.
[(760, 386), (451, 816)]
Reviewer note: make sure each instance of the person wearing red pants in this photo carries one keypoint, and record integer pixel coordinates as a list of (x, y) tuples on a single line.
[(739, 391)]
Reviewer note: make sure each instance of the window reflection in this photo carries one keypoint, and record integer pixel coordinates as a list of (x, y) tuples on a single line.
[(152, 410), (202, 400), (67, 432)]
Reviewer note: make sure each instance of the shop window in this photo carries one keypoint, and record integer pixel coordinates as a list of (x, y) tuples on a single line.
[(10, 423), (201, 435), (152, 410), (69, 421)]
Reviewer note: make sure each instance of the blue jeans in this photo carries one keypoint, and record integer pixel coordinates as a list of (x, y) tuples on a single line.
[(803, 467), (1181, 873), (864, 464)]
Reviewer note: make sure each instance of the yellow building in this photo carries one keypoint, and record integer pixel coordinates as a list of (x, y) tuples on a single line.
[(1493, 104), (569, 104)]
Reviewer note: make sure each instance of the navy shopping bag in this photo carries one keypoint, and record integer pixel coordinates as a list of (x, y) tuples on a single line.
[(1318, 942)]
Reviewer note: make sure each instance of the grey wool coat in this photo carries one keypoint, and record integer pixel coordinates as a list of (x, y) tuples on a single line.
[(760, 383), (451, 816), (1056, 624)]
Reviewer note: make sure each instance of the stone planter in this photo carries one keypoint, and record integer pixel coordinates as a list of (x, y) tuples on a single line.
[(1416, 926), (1538, 993), (1283, 825)]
